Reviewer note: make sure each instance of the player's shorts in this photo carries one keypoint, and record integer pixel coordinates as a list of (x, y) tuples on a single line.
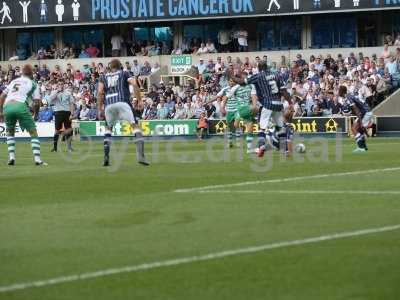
[(367, 119), (119, 111), (19, 112), (245, 113), (267, 115), (231, 116), (62, 118)]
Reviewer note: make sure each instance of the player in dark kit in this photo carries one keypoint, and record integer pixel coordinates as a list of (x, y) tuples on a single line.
[(114, 104), (270, 88), (364, 118)]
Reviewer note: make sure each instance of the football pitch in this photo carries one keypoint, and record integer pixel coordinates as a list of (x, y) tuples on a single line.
[(202, 222)]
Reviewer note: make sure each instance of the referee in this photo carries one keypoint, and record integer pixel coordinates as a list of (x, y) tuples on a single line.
[(63, 105)]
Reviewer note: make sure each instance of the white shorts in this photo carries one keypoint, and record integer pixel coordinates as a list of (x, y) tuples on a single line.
[(119, 111), (267, 116), (367, 119)]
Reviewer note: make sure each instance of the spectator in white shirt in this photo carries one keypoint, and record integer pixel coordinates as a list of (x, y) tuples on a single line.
[(224, 39), (210, 46), (14, 57), (135, 68), (116, 43), (397, 41), (180, 112), (201, 66), (242, 40), (155, 67), (83, 115), (218, 65), (177, 51), (202, 50)]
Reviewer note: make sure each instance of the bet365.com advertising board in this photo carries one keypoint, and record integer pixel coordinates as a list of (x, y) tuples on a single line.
[(216, 127), (149, 128)]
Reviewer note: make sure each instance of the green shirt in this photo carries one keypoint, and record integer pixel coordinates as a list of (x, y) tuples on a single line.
[(242, 94), (231, 103)]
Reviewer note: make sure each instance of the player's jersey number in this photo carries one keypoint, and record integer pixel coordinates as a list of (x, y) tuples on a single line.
[(15, 88), (112, 81), (274, 86)]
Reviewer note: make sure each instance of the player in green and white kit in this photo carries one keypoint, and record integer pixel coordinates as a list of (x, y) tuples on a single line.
[(229, 107), (245, 96), (14, 108)]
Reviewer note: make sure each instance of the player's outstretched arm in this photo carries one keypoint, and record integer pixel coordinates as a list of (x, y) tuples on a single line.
[(223, 105), (2, 100), (254, 104), (286, 95), (100, 100), (72, 110), (136, 90)]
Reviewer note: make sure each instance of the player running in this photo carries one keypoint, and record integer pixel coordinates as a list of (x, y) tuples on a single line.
[(245, 96), (14, 108), (114, 103), (229, 108), (364, 118), (269, 87)]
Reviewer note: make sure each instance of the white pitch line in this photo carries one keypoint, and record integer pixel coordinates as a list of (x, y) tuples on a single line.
[(299, 192), (192, 259), (288, 179)]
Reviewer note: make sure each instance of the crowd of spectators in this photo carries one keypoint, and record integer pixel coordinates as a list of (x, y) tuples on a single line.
[(80, 83), (119, 47), (313, 85), (51, 52), (235, 40), (227, 41), (392, 40)]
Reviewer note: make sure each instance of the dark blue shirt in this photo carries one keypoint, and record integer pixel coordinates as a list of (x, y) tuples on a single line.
[(362, 106), (116, 87), (268, 86)]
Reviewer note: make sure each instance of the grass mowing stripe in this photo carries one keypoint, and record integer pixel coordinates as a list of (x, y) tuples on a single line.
[(300, 192), (192, 259), (288, 179)]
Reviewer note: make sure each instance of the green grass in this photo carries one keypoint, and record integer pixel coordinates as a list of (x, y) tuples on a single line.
[(75, 216)]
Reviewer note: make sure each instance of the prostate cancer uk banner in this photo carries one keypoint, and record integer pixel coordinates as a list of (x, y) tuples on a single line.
[(33, 13)]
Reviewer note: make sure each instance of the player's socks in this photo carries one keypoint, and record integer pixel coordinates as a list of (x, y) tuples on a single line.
[(274, 140), (35, 143), (230, 138), (249, 141), (107, 147), (68, 138), (363, 142), (261, 144), (282, 138), (237, 138), (11, 149), (140, 149), (360, 140), (261, 139), (55, 142)]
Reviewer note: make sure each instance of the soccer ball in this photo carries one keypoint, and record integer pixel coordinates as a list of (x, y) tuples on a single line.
[(300, 148)]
